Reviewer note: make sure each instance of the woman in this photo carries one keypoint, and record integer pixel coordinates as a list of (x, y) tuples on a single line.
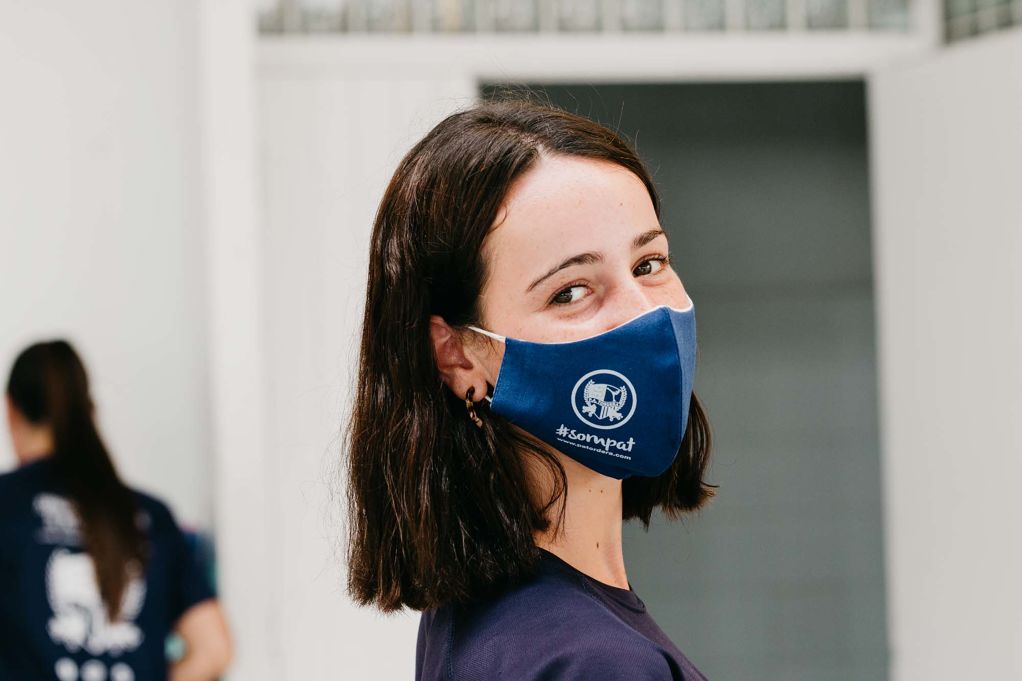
[(93, 575), (524, 387)]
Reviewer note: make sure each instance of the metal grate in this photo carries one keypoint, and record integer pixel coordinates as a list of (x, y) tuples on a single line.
[(579, 16), (968, 18)]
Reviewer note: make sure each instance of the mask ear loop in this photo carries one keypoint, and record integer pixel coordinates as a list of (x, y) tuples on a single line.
[(495, 336), (486, 333)]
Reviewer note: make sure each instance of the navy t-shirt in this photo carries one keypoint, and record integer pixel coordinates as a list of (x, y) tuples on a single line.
[(53, 623), (560, 625)]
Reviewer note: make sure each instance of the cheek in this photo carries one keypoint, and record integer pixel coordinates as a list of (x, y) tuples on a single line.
[(491, 357), (507, 311), (672, 293)]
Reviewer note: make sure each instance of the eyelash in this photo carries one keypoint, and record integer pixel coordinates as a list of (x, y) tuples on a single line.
[(665, 260)]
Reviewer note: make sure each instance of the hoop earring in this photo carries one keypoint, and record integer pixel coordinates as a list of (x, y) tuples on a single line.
[(471, 408)]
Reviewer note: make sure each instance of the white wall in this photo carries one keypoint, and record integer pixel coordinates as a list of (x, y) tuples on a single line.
[(947, 164), (100, 238), (329, 142)]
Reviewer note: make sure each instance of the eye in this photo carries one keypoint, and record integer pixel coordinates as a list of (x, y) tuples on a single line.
[(569, 294), (577, 290), (651, 265)]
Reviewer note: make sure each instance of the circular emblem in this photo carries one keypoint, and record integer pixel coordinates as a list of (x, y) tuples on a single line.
[(603, 399)]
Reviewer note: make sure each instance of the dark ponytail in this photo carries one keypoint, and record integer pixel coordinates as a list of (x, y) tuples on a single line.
[(48, 385)]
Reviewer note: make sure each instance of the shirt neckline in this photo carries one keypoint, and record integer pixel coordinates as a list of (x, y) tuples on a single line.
[(625, 597)]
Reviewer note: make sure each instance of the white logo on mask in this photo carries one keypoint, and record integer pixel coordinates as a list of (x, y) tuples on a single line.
[(603, 399)]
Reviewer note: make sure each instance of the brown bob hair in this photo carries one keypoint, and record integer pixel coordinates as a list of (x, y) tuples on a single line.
[(439, 510)]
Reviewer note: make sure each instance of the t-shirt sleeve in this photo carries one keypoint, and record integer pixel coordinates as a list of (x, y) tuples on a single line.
[(190, 584)]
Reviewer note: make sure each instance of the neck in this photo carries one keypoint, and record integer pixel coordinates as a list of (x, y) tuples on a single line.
[(34, 445), (590, 537)]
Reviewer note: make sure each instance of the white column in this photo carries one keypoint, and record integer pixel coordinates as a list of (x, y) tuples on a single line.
[(946, 150), (331, 137), (248, 525)]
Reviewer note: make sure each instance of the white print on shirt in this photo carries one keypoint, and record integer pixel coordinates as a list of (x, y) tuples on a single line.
[(66, 669), (79, 620), (79, 615), (121, 672), (60, 522), (92, 670)]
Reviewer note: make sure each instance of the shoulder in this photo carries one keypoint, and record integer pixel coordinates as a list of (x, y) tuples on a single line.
[(158, 517), (568, 635), (550, 600), (153, 504), (18, 486), (9, 483), (23, 474)]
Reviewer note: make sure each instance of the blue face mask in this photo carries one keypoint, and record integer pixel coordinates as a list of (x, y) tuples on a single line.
[(616, 402)]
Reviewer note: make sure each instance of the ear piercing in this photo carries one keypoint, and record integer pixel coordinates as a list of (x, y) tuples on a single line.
[(471, 408)]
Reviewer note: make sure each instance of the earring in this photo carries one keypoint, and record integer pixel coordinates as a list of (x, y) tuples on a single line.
[(471, 408)]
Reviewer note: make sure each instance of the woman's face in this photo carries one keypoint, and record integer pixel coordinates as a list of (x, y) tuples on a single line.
[(576, 250)]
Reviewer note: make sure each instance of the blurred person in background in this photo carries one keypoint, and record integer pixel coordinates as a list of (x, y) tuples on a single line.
[(524, 386), (94, 575)]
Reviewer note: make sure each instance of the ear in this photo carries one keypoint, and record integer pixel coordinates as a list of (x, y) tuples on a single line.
[(459, 367), (14, 427), (12, 412)]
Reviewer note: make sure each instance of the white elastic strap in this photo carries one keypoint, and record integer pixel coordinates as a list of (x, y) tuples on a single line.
[(491, 335), (487, 333)]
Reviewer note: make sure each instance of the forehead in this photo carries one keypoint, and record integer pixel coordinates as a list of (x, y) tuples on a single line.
[(565, 205)]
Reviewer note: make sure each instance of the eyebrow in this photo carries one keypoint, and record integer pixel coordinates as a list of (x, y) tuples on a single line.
[(591, 258)]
